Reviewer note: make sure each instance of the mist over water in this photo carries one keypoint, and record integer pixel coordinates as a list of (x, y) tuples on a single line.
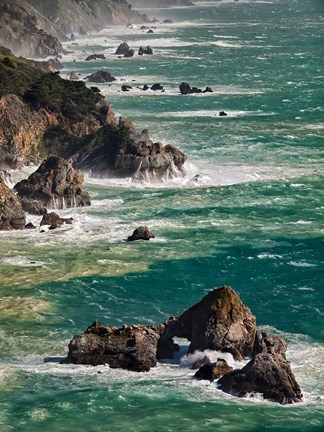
[(253, 221)]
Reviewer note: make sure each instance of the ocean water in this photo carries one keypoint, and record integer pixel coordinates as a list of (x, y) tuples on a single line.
[(254, 221)]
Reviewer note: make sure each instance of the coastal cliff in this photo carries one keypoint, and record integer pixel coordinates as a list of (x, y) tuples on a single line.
[(32, 28), (42, 114)]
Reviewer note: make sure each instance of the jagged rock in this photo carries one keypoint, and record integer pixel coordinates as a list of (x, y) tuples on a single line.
[(32, 206), (123, 49), (54, 220), (101, 77), (55, 184), (141, 233), (208, 90), (126, 88), (269, 343), (220, 321), (119, 150), (145, 87), (222, 113), (213, 371), (269, 374), (148, 50), (11, 212), (96, 57), (156, 87), (128, 347), (200, 362)]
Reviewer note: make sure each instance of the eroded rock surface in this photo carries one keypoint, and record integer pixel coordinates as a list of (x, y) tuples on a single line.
[(11, 212)]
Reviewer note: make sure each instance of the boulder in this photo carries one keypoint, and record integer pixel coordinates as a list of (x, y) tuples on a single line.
[(126, 88), (11, 212), (130, 53), (220, 321), (141, 233), (54, 220), (208, 90), (95, 57), (213, 371), (157, 86), (55, 184), (269, 374), (185, 88), (129, 347), (101, 77), (222, 114), (147, 51), (123, 49)]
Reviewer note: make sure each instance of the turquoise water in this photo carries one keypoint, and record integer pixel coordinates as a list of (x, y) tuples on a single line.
[(255, 222)]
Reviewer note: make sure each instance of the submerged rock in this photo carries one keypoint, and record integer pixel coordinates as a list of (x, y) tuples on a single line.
[(55, 184), (11, 212), (269, 374), (141, 233)]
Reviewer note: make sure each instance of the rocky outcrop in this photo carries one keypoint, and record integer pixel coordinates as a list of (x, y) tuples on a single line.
[(124, 50), (96, 57), (119, 150), (186, 89), (269, 374), (128, 347), (11, 212), (220, 321), (213, 371), (54, 220), (101, 77), (55, 185), (141, 233), (147, 51)]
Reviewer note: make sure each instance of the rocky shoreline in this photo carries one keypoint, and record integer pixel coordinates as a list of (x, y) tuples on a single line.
[(219, 322)]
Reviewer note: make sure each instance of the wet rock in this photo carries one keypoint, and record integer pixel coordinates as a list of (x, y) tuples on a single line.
[(95, 57), (30, 226), (54, 220), (200, 362), (130, 53), (269, 374), (11, 212), (185, 88), (208, 90), (147, 51), (269, 343), (156, 87), (55, 184), (128, 347), (141, 233), (126, 88), (101, 77), (124, 50), (213, 371), (220, 321), (222, 113)]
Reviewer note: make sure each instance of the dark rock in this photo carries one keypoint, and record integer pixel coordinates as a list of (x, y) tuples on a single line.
[(101, 77), (130, 53), (55, 184), (54, 220), (72, 37), (96, 57), (122, 49), (126, 88), (196, 90), (156, 87), (222, 113), (32, 206), (269, 374), (145, 87), (200, 362), (220, 321), (213, 371), (11, 212), (168, 21), (185, 88), (147, 51), (30, 226), (128, 347), (141, 233), (150, 31), (208, 90), (269, 343)]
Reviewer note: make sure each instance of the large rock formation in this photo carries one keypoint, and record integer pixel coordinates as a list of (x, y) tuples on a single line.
[(269, 374), (11, 213), (55, 185), (129, 347), (220, 321)]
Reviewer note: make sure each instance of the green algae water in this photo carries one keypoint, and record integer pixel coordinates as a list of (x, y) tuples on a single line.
[(253, 221)]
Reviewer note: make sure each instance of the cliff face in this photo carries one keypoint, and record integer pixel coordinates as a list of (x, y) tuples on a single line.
[(34, 28), (26, 31)]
